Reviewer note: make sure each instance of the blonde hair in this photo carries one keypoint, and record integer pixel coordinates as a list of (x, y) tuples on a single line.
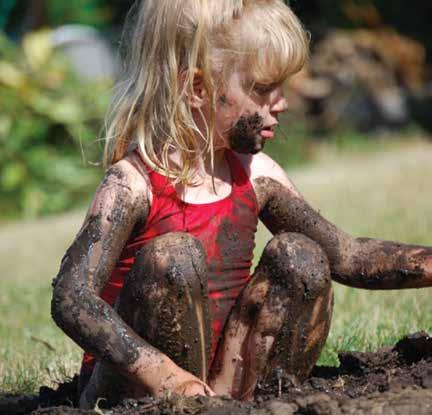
[(173, 38)]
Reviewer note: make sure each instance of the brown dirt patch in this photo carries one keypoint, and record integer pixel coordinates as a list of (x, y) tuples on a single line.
[(393, 380)]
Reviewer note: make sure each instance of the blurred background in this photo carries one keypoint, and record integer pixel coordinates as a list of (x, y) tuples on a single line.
[(356, 140), (369, 73)]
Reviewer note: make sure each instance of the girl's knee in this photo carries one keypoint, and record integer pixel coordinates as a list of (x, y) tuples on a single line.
[(169, 244), (296, 261), (175, 257), (173, 240)]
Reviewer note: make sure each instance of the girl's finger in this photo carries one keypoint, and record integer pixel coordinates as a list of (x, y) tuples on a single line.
[(208, 391)]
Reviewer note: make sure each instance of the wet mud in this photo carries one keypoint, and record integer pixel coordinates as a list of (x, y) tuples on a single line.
[(281, 319), (393, 380), (164, 301), (171, 312), (245, 136), (86, 266)]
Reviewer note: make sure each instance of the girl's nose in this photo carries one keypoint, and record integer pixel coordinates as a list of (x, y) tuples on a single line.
[(279, 104)]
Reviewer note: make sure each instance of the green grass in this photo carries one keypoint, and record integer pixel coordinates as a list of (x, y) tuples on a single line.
[(32, 350), (381, 193)]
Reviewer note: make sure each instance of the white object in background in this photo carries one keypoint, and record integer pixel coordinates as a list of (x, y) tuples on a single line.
[(90, 55)]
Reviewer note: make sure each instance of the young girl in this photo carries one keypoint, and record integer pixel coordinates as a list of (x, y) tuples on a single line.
[(157, 283)]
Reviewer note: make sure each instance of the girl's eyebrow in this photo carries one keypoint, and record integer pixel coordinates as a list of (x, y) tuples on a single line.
[(271, 85)]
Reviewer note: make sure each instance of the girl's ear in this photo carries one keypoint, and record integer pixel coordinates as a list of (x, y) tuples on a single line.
[(199, 95)]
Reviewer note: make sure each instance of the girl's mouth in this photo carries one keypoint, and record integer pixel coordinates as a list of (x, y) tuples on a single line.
[(267, 133)]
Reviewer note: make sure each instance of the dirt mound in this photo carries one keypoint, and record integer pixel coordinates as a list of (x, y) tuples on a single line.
[(394, 380)]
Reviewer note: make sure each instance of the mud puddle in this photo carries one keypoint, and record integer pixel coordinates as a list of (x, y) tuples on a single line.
[(393, 380)]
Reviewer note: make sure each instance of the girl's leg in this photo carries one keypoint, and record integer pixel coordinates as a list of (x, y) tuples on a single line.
[(281, 320), (164, 300)]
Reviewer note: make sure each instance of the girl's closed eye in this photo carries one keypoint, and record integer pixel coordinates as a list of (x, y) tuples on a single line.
[(264, 89)]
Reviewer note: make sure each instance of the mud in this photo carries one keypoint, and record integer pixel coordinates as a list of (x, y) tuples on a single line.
[(393, 380), (356, 262), (171, 312), (245, 135), (119, 206), (164, 301), (271, 326), (176, 333), (87, 264), (301, 272)]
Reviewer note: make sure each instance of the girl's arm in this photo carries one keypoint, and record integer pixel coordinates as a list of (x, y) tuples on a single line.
[(121, 203), (357, 262)]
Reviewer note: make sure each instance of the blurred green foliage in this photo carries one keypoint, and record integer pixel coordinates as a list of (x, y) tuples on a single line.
[(88, 12), (20, 16), (47, 119), (5, 8)]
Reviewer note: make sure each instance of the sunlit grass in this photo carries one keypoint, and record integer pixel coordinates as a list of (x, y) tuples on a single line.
[(33, 351), (383, 193)]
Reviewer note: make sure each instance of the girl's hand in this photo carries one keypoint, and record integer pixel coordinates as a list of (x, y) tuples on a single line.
[(181, 382), (189, 385), (194, 387), (165, 377)]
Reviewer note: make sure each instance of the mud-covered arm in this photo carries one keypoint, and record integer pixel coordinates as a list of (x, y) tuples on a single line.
[(357, 262), (121, 203)]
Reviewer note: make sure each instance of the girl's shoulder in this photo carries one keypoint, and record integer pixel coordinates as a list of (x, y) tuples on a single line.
[(127, 179), (130, 172), (260, 165)]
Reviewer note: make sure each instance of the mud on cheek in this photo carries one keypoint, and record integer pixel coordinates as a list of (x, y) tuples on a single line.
[(245, 135)]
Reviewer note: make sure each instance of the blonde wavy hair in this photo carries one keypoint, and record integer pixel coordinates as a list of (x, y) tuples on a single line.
[(170, 40)]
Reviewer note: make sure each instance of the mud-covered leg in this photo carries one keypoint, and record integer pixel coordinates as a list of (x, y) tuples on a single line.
[(281, 320), (164, 300)]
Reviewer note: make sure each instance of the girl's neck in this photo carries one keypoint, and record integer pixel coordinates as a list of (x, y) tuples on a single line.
[(208, 185), (204, 169)]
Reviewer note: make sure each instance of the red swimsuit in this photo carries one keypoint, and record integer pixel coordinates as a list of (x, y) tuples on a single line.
[(226, 228)]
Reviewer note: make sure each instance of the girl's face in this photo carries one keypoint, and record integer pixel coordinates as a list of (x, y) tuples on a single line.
[(247, 114)]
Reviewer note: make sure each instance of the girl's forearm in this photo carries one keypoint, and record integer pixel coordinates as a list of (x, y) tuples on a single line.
[(97, 328), (376, 264), (95, 325)]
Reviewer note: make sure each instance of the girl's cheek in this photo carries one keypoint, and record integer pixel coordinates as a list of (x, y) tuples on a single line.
[(244, 136)]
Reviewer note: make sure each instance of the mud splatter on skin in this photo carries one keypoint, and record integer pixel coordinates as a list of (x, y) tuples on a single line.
[(290, 299), (76, 306), (157, 310), (299, 271), (165, 301), (357, 262), (292, 275), (245, 135), (168, 303)]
